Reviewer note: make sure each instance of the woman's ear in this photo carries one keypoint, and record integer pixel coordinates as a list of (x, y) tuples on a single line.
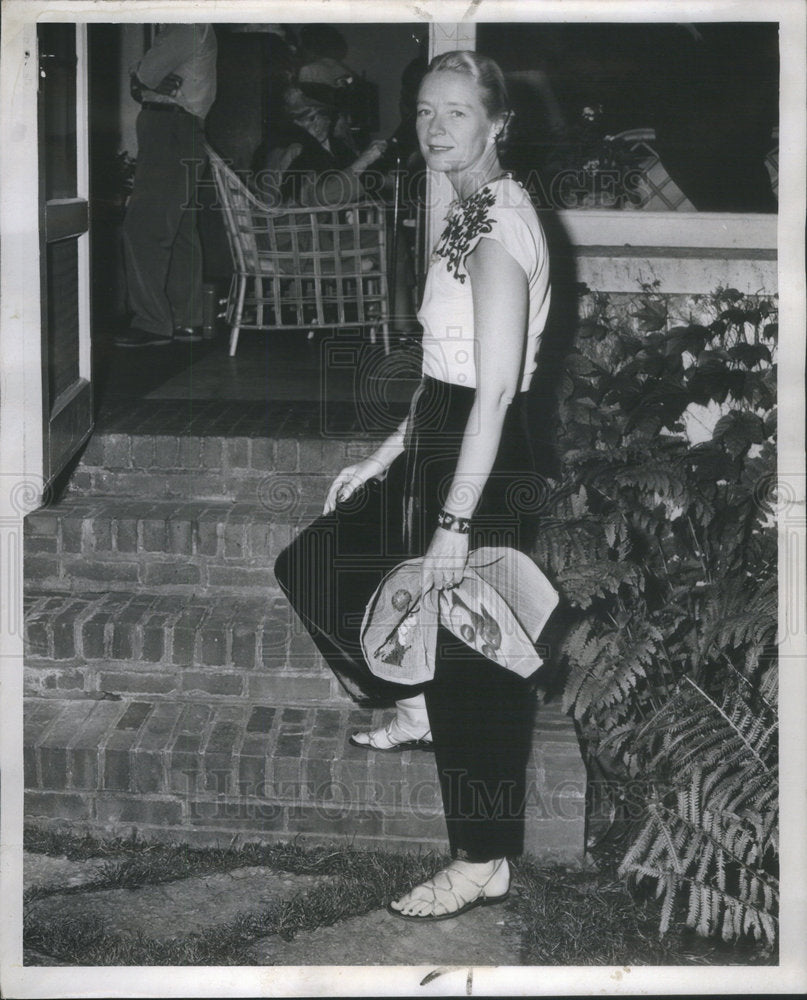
[(500, 130)]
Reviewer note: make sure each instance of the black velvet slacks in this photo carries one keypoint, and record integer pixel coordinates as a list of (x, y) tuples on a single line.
[(480, 713)]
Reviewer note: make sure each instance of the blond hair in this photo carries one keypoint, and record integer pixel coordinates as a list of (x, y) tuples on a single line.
[(489, 79)]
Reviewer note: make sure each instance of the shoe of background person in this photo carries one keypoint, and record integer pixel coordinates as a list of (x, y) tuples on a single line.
[(135, 337), (188, 334)]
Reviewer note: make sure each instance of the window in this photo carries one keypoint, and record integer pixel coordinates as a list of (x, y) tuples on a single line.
[(651, 116)]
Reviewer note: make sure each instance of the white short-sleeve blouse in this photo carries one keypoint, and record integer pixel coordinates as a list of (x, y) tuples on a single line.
[(501, 211)]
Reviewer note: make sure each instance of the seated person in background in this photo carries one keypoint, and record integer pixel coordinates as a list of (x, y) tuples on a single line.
[(312, 165), (322, 54)]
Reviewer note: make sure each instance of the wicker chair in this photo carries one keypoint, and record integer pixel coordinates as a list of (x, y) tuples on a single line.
[(302, 268), (655, 189), (772, 163)]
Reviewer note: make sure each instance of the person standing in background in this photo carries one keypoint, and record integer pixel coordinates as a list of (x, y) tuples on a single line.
[(175, 84)]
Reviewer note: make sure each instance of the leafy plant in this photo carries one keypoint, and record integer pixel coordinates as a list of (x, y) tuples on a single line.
[(602, 167), (661, 538), (711, 829)]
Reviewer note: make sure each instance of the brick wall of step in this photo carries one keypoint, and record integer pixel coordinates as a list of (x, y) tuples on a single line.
[(254, 469), (164, 546), (170, 688), (134, 644), (203, 772), (153, 575)]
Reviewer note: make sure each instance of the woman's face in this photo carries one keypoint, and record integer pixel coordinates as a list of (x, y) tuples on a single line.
[(317, 122), (453, 127)]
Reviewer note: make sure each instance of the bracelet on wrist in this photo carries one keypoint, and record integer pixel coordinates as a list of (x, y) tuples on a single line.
[(462, 525)]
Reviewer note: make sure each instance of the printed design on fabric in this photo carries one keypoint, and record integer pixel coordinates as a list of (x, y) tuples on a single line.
[(466, 220)]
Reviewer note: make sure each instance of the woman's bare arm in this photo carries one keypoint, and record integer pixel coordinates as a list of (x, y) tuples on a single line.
[(354, 476), (500, 296)]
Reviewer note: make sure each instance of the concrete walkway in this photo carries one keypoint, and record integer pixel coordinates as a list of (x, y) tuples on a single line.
[(481, 937), (190, 906), (174, 910)]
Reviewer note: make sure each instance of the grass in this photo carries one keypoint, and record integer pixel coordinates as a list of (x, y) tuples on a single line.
[(129, 864), (563, 916), (375, 878), (585, 917), (359, 882)]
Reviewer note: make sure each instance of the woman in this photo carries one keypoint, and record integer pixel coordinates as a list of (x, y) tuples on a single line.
[(453, 467), (314, 158)]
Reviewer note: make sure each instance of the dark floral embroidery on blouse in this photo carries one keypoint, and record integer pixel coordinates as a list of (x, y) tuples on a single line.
[(466, 220)]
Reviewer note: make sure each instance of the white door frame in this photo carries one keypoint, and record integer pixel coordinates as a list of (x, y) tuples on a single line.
[(21, 395)]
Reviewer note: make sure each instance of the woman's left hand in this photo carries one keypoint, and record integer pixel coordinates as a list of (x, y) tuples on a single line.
[(445, 560)]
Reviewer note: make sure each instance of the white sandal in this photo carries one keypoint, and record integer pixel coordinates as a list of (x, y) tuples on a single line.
[(408, 729), (392, 739), (457, 887)]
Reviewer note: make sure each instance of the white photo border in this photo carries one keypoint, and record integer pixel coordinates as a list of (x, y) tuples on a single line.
[(791, 973)]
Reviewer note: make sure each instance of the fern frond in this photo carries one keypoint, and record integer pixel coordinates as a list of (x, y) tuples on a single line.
[(604, 684), (696, 851), (731, 722), (716, 836), (582, 582), (741, 617), (671, 884)]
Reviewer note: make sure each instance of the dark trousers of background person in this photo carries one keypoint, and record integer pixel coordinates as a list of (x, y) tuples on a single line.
[(480, 713), (162, 250)]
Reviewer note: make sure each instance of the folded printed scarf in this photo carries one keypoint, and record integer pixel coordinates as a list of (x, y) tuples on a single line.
[(498, 609)]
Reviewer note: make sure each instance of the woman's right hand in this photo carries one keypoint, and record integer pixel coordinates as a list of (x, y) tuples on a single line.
[(350, 479)]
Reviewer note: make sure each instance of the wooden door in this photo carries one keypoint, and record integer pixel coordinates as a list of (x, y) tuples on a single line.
[(64, 265)]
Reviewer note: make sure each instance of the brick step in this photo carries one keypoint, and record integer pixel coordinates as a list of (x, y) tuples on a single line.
[(203, 773), (216, 467), (118, 644), (165, 546)]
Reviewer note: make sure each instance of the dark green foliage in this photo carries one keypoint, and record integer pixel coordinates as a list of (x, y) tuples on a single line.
[(663, 544)]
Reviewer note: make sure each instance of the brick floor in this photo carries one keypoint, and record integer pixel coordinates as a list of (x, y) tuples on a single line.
[(241, 419)]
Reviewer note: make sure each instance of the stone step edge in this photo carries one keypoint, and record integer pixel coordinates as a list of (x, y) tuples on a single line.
[(163, 452)]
